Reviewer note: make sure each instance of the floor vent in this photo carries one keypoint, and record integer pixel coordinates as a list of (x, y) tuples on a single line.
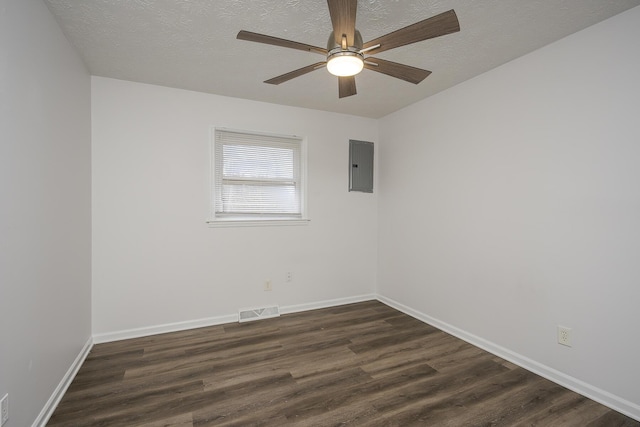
[(247, 315)]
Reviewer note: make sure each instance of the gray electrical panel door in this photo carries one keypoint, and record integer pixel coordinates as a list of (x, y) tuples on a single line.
[(360, 166)]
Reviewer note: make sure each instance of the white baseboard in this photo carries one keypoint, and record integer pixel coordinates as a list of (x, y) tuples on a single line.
[(219, 320), (617, 403), (61, 389), (163, 329), (325, 304)]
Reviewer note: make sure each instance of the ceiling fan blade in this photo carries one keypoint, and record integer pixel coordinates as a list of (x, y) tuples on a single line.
[(346, 86), (399, 71), (343, 18), (275, 41), (436, 26), (296, 73)]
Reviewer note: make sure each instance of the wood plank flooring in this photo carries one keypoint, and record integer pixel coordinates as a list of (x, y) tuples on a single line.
[(362, 364)]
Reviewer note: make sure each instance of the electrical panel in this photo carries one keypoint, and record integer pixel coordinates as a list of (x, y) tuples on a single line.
[(360, 166)]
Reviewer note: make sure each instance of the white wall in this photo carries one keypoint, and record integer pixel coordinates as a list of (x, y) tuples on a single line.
[(45, 218), (155, 260), (510, 204)]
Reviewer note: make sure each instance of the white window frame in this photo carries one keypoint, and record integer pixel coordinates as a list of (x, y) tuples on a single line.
[(256, 219)]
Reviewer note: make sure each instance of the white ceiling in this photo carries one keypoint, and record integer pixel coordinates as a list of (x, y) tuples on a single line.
[(191, 44)]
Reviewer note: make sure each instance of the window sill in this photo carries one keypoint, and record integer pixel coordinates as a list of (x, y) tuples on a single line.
[(215, 223)]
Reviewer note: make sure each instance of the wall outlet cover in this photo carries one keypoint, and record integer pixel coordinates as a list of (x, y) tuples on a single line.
[(564, 336), (4, 409)]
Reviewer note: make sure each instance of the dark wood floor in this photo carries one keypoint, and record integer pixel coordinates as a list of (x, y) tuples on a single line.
[(359, 364)]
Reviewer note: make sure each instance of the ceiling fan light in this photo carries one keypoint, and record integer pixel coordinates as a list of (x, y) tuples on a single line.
[(345, 64)]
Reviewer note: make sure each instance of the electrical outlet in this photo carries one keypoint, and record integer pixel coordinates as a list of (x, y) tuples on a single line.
[(289, 276), (267, 285), (4, 409), (564, 336)]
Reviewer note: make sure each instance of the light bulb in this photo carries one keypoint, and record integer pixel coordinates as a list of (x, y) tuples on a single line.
[(345, 64)]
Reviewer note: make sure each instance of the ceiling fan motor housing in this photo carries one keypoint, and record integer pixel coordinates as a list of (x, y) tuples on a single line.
[(357, 42), (343, 60)]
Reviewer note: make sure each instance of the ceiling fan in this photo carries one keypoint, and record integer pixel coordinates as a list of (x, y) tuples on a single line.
[(345, 50)]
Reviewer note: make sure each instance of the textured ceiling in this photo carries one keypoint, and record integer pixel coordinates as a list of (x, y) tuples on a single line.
[(191, 44)]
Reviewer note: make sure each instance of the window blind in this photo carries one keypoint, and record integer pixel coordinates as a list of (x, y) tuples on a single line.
[(257, 175)]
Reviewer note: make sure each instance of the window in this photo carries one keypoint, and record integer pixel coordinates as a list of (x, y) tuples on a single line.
[(257, 178)]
